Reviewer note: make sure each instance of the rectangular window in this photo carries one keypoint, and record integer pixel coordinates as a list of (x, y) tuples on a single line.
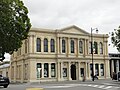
[(46, 70), (39, 70), (96, 69), (64, 72), (102, 69), (53, 70)]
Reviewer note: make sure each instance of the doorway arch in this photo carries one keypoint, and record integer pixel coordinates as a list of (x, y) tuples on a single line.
[(73, 72)]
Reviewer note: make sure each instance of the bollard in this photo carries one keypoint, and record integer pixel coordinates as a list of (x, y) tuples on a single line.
[(34, 89)]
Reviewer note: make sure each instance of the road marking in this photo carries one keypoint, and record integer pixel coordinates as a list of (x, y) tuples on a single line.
[(34, 89), (108, 87), (101, 86), (74, 85)]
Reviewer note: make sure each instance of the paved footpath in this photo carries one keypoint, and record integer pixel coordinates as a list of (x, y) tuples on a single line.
[(98, 84)]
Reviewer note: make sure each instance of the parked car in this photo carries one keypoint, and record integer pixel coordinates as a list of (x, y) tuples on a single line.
[(4, 81), (116, 76)]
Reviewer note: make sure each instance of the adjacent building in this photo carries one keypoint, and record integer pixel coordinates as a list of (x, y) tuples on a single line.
[(114, 63), (59, 55)]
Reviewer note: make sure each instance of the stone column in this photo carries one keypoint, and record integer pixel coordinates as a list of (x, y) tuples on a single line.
[(22, 71), (69, 71), (75, 47), (57, 46), (68, 46), (85, 48), (30, 44), (94, 68), (60, 45), (42, 70), (42, 45), (61, 70), (49, 70), (86, 70), (112, 66), (107, 69), (58, 71), (15, 71), (99, 70), (79, 71), (34, 50), (89, 70), (98, 44), (49, 45), (117, 66)]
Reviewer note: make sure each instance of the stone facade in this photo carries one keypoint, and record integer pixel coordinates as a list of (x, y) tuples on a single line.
[(59, 55), (114, 63)]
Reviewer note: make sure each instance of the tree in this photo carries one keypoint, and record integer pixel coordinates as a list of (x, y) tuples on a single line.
[(115, 38), (14, 26)]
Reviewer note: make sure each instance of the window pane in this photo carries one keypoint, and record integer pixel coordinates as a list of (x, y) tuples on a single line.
[(45, 45), (38, 45), (102, 69), (95, 48), (63, 46), (96, 70), (52, 45), (64, 72), (39, 70), (80, 47), (53, 70), (46, 70), (72, 46)]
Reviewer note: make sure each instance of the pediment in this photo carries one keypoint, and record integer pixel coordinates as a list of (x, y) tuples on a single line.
[(73, 29)]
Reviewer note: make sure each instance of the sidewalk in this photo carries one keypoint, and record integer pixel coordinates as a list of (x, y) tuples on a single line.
[(99, 81)]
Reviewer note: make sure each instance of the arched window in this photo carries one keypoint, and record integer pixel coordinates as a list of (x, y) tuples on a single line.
[(52, 44), (101, 48), (80, 46), (90, 49), (45, 45), (95, 49), (63, 46), (38, 45), (72, 46)]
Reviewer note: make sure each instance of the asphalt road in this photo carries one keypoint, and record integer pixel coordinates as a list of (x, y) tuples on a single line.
[(68, 85)]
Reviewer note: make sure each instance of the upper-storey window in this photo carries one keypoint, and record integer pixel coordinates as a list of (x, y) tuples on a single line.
[(72, 46), (95, 48), (52, 44), (101, 48), (26, 46), (45, 45), (63, 46), (90, 49), (80, 46), (38, 43)]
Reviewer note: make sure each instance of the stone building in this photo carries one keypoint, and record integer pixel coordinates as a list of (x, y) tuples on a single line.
[(59, 55), (114, 63), (5, 68)]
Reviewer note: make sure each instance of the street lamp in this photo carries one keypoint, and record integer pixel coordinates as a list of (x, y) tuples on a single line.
[(92, 52)]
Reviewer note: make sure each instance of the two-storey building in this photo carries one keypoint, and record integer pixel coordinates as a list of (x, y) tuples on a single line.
[(59, 55)]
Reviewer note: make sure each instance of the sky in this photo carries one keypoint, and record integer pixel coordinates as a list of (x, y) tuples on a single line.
[(86, 14)]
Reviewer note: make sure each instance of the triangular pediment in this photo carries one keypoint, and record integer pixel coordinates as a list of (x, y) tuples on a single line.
[(73, 29)]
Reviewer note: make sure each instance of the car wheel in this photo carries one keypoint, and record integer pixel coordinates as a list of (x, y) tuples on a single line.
[(5, 86), (118, 79)]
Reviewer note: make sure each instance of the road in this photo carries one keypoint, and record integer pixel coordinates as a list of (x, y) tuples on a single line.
[(68, 85)]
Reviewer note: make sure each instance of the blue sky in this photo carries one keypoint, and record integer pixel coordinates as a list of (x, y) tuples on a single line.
[(54, 14)]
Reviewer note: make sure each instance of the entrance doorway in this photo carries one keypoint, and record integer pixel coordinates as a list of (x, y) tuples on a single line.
[(73, 72)]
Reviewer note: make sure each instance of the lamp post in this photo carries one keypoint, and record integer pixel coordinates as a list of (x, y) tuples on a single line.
[(92, 52)]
